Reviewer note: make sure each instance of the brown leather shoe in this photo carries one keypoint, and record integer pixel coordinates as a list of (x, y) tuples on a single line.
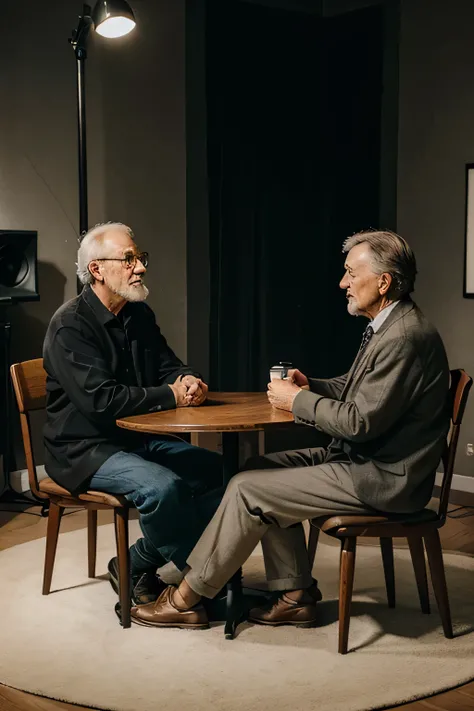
[(285, 612), (164, 613)]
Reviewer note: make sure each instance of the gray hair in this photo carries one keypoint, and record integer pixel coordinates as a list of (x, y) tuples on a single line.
[(390, 254), (91, 247)]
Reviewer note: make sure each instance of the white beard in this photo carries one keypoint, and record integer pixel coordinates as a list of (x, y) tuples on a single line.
[(352, 307), (138, 292)]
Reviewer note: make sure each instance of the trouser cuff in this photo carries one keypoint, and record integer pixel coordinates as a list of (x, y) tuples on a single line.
[(301, 582), (200, 586)]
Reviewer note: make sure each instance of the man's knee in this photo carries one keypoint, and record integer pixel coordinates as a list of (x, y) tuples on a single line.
[(243, 484), (153, 485), (248, 490)]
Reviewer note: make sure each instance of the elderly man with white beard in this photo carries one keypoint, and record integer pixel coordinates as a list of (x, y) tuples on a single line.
[(106, 358)]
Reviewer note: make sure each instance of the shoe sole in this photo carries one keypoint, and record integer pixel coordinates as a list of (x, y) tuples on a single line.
[(304, 625), (176, 625)]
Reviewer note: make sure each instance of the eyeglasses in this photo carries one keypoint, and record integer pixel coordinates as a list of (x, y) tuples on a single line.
[(129, 261)]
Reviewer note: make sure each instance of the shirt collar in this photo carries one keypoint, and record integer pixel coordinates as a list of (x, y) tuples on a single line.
[(382, 316), (92, 300)]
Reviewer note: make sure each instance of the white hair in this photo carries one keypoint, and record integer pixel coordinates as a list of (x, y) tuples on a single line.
[(91, 248)]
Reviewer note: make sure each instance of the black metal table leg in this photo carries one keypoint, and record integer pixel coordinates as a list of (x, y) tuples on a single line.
[(235, 607), (230, 454), (234, 611)]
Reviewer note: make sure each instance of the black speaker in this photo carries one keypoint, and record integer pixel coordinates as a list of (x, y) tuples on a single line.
[(18, 266)]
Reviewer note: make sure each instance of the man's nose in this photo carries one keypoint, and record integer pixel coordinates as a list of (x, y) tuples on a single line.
[(139, 267), (343, 283)]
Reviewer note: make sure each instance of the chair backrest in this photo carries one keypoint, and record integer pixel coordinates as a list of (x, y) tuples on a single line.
[(458, 393), (29, 384)]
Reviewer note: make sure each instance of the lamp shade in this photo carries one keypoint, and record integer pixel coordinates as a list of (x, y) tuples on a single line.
[(113, 18)]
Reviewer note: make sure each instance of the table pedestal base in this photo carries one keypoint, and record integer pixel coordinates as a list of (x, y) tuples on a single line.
[(236, 612)]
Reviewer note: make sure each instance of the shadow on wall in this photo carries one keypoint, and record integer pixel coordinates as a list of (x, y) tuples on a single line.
[(29, 322)]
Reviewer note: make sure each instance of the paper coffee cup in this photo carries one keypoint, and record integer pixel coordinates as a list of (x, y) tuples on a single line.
[(277, 372), (280, 371)]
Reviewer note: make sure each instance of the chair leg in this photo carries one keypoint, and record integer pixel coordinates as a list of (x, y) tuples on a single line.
[(417, 553), (312, 544), (438, 579), (386, 545), (121, 538), (91, 541), (52, 533), (346, 582)]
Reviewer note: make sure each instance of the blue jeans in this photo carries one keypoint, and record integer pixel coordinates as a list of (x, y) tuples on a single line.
[(176, 489)]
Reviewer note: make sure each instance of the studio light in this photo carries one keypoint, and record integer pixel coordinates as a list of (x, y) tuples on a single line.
[(113, 18)]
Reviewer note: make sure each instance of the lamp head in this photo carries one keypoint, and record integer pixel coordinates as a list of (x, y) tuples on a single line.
[(113, 18)]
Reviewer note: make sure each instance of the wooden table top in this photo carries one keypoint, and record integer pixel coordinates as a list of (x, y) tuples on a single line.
[(222, 412)]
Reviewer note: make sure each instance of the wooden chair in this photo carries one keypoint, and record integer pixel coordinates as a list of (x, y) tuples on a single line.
[(418, 528), (29, 382)]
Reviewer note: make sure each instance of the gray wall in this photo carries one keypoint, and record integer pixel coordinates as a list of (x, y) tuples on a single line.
[(143, 82), (37, 154), (436, 139)]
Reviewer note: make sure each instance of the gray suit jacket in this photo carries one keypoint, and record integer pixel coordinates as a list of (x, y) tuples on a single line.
[(389, 413)]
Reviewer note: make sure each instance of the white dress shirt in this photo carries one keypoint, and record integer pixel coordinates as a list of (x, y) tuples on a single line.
[(382, 316)]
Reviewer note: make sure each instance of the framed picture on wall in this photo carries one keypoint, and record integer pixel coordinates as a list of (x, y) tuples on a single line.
[(469, 234)]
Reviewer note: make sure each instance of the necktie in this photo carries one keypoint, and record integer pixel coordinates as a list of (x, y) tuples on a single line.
[(366, 336)]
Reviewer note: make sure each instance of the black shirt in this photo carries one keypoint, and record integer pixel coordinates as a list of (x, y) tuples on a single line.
[(101, 367)]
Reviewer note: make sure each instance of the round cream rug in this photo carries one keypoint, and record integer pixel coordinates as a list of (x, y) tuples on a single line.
[(69, 645)]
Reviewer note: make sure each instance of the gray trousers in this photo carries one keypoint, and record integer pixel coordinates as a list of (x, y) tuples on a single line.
[(267, 502)]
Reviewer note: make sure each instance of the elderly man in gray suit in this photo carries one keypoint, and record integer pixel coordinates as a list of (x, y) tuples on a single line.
[(388, 417)]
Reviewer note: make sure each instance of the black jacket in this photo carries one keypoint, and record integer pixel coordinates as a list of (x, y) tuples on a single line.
[(101, 367)]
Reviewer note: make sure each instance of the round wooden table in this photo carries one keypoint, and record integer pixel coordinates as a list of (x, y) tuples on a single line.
[(229, 414)]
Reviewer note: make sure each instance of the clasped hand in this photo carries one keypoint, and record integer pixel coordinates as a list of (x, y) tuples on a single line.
[(281, 393), (189, 391)]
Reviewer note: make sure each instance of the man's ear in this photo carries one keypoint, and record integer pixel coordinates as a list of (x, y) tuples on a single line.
[(385, 282), (94, 269)]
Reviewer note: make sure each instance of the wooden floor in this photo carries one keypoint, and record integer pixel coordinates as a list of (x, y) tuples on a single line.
[(457, 535)]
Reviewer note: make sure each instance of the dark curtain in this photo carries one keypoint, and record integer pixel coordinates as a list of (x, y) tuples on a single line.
[(293, 157)]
